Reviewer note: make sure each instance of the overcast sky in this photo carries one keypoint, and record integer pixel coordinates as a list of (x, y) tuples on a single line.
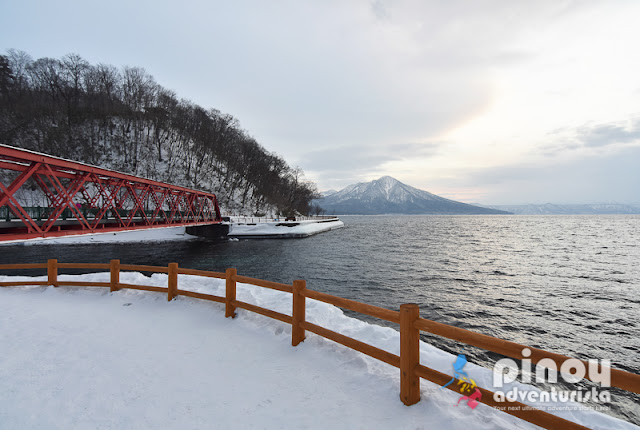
[(480, 101)]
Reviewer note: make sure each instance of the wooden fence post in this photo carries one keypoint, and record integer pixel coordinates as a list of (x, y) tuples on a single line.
[(115, 275), (298, 312), (409, 354), (230, 296), (52, 272), (173, 281)]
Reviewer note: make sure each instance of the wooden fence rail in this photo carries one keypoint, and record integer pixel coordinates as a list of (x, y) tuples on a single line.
[(411, 324)]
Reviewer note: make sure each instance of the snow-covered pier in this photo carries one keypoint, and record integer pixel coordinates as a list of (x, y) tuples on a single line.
[(288, 228)]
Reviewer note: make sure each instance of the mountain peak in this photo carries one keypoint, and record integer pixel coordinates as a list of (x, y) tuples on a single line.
[(387, 179), (386, 185)]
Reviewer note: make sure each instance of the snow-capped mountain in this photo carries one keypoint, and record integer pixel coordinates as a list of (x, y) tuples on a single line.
[(390, 196)]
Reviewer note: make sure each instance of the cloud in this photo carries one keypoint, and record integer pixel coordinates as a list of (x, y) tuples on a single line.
[(590, 137), (341, 165), (379, 9), (347, 89), (355, 159), (609, 134), (612, 177)]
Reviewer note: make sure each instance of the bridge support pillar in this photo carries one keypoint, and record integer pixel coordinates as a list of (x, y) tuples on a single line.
[(210, 231)]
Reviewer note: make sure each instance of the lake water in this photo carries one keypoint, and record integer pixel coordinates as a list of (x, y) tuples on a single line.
[(568, 284)]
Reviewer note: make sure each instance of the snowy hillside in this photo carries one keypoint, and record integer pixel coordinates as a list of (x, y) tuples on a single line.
[(124, 120), (388, 195)]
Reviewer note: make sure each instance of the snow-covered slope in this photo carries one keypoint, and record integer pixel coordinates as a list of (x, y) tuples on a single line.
[(388, 195)]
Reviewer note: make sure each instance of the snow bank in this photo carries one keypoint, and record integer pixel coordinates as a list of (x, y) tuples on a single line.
[(149, 235), (87, 358)]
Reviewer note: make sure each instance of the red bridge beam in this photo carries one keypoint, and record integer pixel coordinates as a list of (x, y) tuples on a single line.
[(131, 202)]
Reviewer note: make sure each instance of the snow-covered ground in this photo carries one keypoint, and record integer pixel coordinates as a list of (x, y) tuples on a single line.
[(243, 230), (76, 358), (149, 235), (283, 229)]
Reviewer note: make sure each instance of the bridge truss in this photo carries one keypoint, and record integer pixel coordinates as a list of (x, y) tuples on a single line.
[(85, 199)]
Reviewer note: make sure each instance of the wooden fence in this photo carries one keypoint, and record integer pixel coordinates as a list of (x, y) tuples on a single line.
[(411, 324)]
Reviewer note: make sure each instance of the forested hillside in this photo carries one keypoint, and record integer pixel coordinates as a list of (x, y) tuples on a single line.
[(122, 119)]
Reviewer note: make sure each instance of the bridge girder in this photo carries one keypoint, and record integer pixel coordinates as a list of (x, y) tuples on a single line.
[(116, 201)]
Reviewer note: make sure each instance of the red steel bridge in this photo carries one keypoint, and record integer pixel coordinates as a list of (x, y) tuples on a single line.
[(80, 199)]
